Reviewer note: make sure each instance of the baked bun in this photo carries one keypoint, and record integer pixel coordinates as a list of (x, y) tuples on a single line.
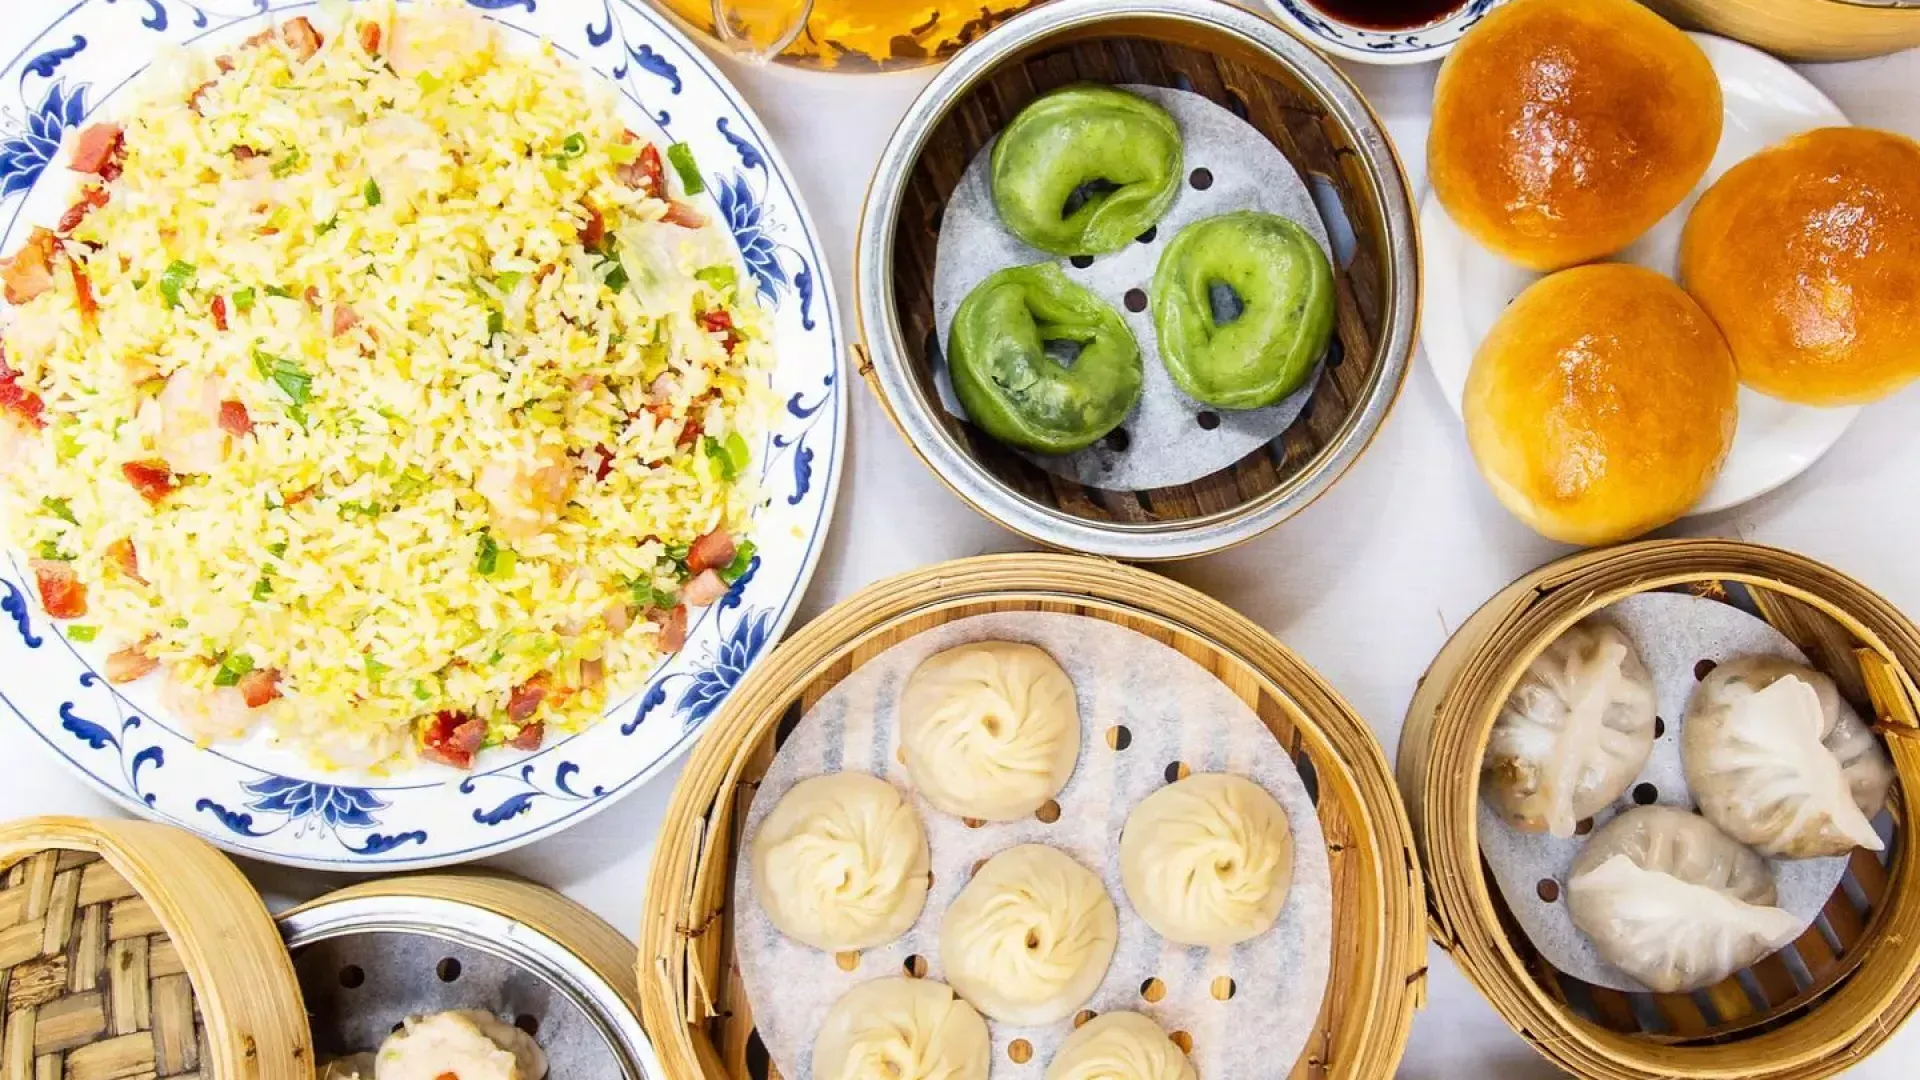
[(1808, 256), (1602, 404), (1564, 129)]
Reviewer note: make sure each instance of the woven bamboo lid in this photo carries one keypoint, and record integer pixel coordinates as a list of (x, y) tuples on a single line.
[(134, 950), (1807, 1012), (693, 1001)]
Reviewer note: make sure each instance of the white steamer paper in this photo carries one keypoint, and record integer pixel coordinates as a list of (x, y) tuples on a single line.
[(1673, 633), (1165, 442), (1174, 711)]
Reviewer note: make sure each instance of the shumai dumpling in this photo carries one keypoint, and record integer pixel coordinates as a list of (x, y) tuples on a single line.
[(1030, 937), (901, 1029), (841, 862), (1208, 860), (1119, 1046), (1773, 759), (1573, 735), (467, 1043), (1673, 901), (990, 730)]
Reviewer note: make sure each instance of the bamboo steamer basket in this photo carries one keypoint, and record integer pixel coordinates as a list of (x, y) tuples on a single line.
[(1806, 29), (1304, 105), (129, 949), (1811, 1010), (375, 952), (693, 1001)]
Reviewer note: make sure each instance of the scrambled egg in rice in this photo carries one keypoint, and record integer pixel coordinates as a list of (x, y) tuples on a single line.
[(380, 389)]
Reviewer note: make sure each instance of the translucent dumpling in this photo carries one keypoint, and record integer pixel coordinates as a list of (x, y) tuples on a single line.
[(1673, 901), (1574, 733), (1775, 762)]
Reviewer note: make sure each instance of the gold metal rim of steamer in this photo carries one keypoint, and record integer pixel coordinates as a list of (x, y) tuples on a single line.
[(1445, 738), (692, 866)]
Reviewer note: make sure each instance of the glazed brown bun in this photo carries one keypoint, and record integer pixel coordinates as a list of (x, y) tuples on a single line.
[(1564, 129), (1808, 256), (1602, 404)]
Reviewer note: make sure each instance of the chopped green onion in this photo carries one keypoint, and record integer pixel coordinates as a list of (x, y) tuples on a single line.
[(66, 446), (375, 668), (290, 377), (372, 192), (503, 567), (420, 691), (327, 226), (277, 550), (243, 299), (718, 278), (496, 323), (616, 274), (282, 293), (622, 153), (262, 589), (680, 156), (731, 457), (571, 148), (61, 509), (646, 596), (742, 558), (81, 633), (489, 556), (231, 668), (507, 280), (51, 551), (677, 561), (368, 509), (286, 165), (176, 277), (739, 454), (429, 82)]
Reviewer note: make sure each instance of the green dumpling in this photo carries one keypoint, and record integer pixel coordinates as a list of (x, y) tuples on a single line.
[(1040, 362), (1085, 169), (1243, 305)]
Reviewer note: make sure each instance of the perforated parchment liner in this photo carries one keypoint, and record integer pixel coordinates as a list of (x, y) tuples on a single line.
[(1674, 632), (1167, 441), (1173, 711)]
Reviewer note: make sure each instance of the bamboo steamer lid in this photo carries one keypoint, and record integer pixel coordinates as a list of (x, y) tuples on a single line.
[(693, 1002), (1809, 1011), (129, 949)]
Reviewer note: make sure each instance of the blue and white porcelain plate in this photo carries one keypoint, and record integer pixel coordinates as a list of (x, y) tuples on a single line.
[(63, 63), (1415, 45)]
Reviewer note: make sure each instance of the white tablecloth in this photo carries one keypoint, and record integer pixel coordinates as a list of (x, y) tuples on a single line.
[(1366, 584)]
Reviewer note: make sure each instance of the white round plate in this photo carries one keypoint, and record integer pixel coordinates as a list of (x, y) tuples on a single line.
[(62, 63), (1466, 287)]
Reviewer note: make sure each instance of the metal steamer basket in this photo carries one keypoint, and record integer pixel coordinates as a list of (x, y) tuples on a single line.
[(1296, 99)]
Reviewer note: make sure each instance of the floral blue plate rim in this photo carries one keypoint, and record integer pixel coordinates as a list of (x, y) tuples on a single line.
[(263, 802), (1416, 45)]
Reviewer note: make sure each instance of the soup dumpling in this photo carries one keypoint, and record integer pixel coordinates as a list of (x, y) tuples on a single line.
[(1208, 860), (1028, 940), (990, 730), (1774, 761), (1119, 1046), (841, 862), (1574, 733), (905, 1029)]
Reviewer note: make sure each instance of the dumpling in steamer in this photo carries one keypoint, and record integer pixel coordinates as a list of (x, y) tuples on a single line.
[(1673, 901), (1208, 860), (467, 1043), (841, 862), (1119, 1046), (902, 1029), (1574, 733), (990, 730), (1030, 937), (1773, 759)]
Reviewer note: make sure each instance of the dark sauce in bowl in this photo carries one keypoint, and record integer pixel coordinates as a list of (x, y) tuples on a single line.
[(1388, 14)]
